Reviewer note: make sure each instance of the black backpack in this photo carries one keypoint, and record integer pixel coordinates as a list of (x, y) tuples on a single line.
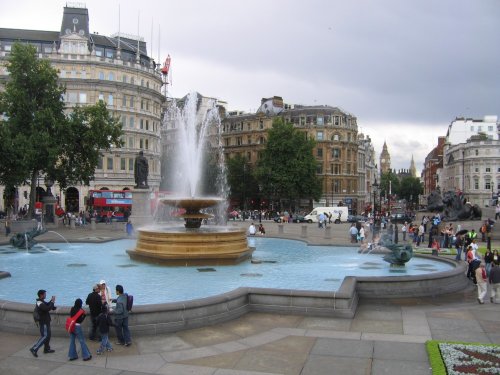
[(36, 314)]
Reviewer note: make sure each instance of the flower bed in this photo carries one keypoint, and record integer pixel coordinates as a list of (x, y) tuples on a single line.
[(459, 358)]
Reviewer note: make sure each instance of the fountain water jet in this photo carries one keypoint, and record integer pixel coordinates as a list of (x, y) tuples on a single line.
[(193, 244)]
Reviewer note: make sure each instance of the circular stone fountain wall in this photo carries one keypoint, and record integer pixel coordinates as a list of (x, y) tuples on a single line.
[(180, 246)]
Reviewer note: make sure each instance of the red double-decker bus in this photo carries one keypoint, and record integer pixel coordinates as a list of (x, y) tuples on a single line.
[(110, 204)]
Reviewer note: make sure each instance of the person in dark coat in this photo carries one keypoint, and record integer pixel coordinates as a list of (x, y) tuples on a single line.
[(44, 309), (94, 303)]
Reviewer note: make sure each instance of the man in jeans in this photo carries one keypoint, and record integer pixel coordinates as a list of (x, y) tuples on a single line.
[(121, 318), (44, 309)]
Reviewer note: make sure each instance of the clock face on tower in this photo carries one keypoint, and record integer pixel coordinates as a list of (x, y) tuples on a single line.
[(383, 160)]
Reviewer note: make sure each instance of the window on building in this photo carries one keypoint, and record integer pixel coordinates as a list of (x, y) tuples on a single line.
[(99, 163), (336, 153), (336, 120), (249, 156), (476, 152), (479, 128), (146, 144), (487, 184), (337, 169), (130, 164), (141, 124), (476, 184), (239, 141), (336, 186), (123, 164), (488, 169), (319, 136), (124, 101), (319, 169), (109, 54), (101, 75), (124, 78), (83, 97), (147, 124), (131, 122), (319, 152), (72, 97), (101, 96), (319, 121), (111, 76), (262, 140), (141, 143), (261, 124), (110, 99), (131, 102), (109, 163), (124, 121), (131, 142), (249, 140)]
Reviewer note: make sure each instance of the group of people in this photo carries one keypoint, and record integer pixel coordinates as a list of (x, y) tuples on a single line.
[(252, 230), (99, 302), (357, 233), (482, 271)]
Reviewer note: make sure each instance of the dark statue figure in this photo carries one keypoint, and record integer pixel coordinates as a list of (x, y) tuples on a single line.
[(453, 206), (26, 240), (399, 255), (435, 201), (457, 208), (141, 171)]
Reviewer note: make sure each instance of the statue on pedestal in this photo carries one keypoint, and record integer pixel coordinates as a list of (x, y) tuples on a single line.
[(141, 171)]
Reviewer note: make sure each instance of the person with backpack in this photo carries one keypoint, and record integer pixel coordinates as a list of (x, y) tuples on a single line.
[(121, 318), (94, 302), (79, 314), (43, 309), (104, 322)]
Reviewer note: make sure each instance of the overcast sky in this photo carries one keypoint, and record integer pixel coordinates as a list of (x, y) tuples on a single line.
[(405, 69)]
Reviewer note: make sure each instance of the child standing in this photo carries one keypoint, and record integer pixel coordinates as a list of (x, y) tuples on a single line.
[(103, 323)]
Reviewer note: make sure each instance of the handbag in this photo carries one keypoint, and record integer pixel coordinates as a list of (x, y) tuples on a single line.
[(71, 321)]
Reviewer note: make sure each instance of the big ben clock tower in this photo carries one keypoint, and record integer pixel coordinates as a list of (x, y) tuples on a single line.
[(385, 160)]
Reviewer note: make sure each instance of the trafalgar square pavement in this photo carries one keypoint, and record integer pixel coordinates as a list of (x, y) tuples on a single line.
[(384, 337)]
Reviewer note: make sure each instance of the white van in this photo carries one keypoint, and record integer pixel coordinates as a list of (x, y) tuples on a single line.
[(312, 217)]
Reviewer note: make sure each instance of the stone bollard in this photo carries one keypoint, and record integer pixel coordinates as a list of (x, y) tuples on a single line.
[(72, 222), (303, 233), (280, 228), (328, 233), (92, 223)]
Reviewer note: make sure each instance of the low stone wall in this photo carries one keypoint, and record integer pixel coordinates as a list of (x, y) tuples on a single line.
[(171, 317), (431, 284)]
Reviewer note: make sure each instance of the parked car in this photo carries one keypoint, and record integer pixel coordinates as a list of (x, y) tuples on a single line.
[(356, 218), (299, 219), (401, 218)]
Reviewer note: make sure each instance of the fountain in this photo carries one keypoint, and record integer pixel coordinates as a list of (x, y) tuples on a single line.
[(193, 244)]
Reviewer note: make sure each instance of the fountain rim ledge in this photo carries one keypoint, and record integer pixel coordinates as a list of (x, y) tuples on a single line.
[(172, 317)]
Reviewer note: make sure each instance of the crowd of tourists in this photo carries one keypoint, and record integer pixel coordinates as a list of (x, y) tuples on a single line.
[(103, 315)]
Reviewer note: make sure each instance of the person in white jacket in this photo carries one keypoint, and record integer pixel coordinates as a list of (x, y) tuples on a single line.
[(105, 293)]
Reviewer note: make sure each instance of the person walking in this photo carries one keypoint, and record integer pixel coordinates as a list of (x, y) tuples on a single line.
[(78, 333), (353, 231), (488, 260), (121, 318), (481, 280), (44, 309), (104, 322), (404, 229), (494, 280), (94, 303)]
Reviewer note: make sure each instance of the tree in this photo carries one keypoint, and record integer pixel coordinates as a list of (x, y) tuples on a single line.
[(241, 179), (389, 182), (287, 168), (37, 137), (410, 189)]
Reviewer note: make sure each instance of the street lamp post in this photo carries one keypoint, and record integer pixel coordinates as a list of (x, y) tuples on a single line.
[(375, 187)]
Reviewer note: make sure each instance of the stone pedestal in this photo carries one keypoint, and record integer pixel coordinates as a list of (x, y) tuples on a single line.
[(49, 202), (280, 228), (303, 233), (141, 208), (328, 233)]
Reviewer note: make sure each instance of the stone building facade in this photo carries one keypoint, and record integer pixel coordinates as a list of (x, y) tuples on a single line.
[(334, 130), (115, 69)]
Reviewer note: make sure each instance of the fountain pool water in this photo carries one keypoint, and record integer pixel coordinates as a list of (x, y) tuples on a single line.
[(68, 271)]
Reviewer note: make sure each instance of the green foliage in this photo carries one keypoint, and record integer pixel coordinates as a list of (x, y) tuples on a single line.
[(410, 189), (241, 179), (287, 168), (37, 137), (389, 183), (437, 364)]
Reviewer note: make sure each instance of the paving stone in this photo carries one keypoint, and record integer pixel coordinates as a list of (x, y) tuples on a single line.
[(365, 325), (392, 367), (400, 351), (328, 365), (343, 348), (272, 361)]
